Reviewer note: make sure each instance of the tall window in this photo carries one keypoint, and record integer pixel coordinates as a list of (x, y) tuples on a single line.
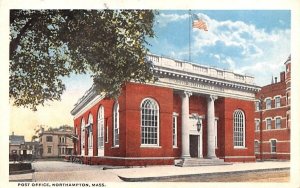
[(268, 104), (278, 123), (273, 146), (149, 122), (277, 102), (174, 130), (101, 127), (257, 105), (239, 129), (49, 149), (90, 132), (257, 125), (256, 146), (269, 124), (82, 135), (116, 124)]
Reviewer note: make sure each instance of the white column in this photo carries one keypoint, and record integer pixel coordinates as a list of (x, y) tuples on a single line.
[(185, 139), (211, 126)]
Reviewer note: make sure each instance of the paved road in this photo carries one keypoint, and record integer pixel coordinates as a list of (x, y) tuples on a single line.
[(70, 172)]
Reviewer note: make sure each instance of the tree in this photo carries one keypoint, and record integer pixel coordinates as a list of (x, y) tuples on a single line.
[(46, 45)]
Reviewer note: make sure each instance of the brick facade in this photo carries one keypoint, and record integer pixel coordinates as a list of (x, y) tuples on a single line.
[(278, 111), (130, 152)]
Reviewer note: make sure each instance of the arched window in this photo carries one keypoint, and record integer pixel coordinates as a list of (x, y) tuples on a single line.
[(101, 127), (90, 132), (82, 135), (238, 129), (149, 122), (116, 124)]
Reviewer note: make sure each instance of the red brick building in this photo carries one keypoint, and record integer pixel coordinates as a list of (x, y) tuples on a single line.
[(192, 111), (272, 118)]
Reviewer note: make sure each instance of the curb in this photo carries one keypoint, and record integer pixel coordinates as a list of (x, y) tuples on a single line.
[(21, 172), (141, 179)]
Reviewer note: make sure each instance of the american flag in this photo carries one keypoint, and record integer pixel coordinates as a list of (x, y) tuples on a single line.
[(199, 23)]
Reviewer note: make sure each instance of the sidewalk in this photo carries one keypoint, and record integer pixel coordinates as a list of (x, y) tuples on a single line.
[(157, 172), (85, 173)]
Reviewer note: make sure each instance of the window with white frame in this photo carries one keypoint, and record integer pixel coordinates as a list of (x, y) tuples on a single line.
[(90, 131), (106, 138), (273, 146), (256, 146), (101, 127), (116, 125), (174, 130), (257, 105), (269, 124), (278, 123), (149, 122), (268, 104), (277, 102), (257, 125), (238, 129), (82, 135)]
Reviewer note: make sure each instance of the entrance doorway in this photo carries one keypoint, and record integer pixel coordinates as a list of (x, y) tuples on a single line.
[(194, 146)]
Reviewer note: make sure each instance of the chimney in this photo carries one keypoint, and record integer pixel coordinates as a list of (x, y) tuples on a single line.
[(13, 133), (282, 76), (275, 80)]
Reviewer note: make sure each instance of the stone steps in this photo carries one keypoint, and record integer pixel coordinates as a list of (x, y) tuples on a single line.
[(200, 162)]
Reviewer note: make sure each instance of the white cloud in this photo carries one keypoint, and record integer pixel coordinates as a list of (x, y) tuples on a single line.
[(254, 51), (235, 45), (164, 19)]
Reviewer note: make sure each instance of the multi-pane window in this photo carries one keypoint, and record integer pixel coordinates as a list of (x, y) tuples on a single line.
[(268, 104), (101, 127), (238, 129), (90, 132), (277, 102), (269, 124), (48, 138), (278, 123), (116, 124), (257, 105), (273, 146), (174, 131), (82, 135), (62, 140), (257, 125), (256, 146), (49, 149), (149, 122)]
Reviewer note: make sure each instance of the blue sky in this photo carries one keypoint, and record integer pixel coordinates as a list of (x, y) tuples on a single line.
[(252, 42)]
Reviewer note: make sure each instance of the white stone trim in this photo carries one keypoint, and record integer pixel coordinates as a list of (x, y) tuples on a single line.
[(135, 158), (77, 111), (279, 141), (280, 153), (239, 157)]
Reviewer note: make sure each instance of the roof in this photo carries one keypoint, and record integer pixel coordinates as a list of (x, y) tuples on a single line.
[(16, 139)]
